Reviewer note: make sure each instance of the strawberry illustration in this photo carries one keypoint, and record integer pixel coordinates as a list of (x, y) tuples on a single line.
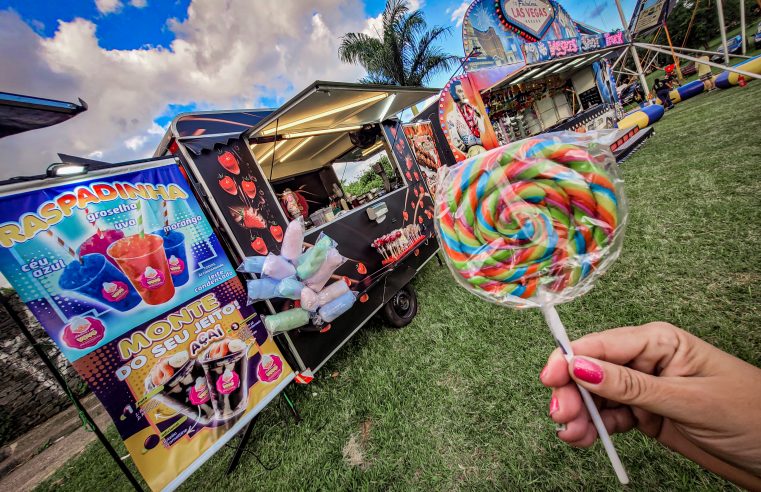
[(228, 185), (417, 176), (277, 233), (405, 216), (346, 279), (229, 162), (249, 188), (408, 161), (361, 268), (408, 176), (420, 219), (363, 298), (259, 246), (252, 219)]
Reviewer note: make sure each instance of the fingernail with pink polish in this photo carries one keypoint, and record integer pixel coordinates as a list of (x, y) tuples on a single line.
[(541, 374), (554, 405), (587, 370)]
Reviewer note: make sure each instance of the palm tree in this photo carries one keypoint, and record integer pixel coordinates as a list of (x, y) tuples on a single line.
[(403, 54)]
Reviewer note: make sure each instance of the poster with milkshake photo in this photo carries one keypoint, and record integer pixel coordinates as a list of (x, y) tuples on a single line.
[(179, 387)]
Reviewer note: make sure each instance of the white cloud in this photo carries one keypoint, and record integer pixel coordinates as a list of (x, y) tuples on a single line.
[(458, 14), (222, 58), (108, 6), (139, 4)]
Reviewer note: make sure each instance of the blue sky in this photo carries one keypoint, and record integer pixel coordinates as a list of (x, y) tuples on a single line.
[(140, 62)]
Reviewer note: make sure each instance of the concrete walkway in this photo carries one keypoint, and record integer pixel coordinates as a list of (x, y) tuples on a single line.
[(33, 457)]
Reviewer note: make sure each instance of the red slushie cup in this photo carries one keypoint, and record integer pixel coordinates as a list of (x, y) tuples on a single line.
[(144, 262)]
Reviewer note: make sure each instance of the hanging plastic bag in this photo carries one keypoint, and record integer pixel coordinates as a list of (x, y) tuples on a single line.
[(309, 299), (261, 289), (308, 263), (332, 291), (277, 267), (290, 288), (252, 264), (337, 307), (293, 241), (286, 321), (332, 261)]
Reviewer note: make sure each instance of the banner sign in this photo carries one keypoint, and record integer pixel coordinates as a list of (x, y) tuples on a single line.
[(542, 51), (649, 15), (529, 18), (126, 275)]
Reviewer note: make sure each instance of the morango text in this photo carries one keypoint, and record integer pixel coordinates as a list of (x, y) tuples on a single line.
[(53, 211)]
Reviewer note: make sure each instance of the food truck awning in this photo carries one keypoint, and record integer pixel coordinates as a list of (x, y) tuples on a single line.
[(19, 113), (313, 128), (560, 66)]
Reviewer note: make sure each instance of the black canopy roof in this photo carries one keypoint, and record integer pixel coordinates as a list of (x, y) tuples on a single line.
[(19, 113)]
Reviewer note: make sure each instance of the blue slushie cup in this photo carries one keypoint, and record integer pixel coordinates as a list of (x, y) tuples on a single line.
[(174, 246), (97, 278)]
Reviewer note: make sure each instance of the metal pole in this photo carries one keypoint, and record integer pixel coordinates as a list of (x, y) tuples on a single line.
[(703, 52), (723, 27), (62, 382), (696, 60), (635, 56), (673, 55), (742, 25)]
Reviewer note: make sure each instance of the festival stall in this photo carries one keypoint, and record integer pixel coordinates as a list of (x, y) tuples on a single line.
[(529, 69), (261, 170)]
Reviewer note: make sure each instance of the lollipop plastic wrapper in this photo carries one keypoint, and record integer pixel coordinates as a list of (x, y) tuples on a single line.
[(293, 240), (534, 224), (333, 260), (286, 320), (261, 289)]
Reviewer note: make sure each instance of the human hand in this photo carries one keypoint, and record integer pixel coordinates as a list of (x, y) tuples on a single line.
[(669, 384)]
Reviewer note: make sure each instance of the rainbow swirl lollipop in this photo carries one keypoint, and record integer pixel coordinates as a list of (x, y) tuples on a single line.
[(541, 214), (532, 224)]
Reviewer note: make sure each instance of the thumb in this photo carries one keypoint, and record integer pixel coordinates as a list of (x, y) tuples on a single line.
[(660, 395)]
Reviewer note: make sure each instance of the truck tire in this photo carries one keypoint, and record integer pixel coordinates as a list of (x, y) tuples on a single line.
[(402, 308)]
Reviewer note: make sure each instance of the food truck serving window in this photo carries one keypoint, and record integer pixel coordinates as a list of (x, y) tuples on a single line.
[(348, 174)]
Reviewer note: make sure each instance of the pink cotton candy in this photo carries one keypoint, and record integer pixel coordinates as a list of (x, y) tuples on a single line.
[(332, 291), (277, 267), (332, 261), (293, 241), (309, 299)]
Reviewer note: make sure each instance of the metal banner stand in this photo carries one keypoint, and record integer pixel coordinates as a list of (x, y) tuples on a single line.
[(62, 382), (246, 436)]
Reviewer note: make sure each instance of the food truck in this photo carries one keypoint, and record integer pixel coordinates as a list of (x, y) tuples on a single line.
[(529, 68), (260, 169)]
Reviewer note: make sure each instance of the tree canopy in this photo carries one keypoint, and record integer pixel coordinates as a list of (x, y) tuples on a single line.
[(404, 53)]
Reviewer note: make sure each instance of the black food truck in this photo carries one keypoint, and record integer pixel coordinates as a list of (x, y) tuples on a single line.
[(259, 169)]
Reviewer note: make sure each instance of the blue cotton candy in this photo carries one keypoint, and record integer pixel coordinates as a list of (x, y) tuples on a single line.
[(337, 306), (261, 289), (252, 264), (290, 288)]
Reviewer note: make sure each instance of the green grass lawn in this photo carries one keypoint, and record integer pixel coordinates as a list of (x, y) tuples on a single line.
[(453, 401)]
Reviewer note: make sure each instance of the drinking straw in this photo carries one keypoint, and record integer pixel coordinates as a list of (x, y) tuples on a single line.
[(64, 245), (140, 226), (165, 213), (95, 223)]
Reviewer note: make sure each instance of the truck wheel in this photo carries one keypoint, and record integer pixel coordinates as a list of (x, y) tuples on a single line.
[(402, 308)]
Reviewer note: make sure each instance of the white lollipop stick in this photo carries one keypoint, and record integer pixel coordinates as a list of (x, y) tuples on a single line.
[(561, 339)]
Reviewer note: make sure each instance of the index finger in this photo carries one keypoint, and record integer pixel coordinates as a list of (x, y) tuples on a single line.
[(646, 348)]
